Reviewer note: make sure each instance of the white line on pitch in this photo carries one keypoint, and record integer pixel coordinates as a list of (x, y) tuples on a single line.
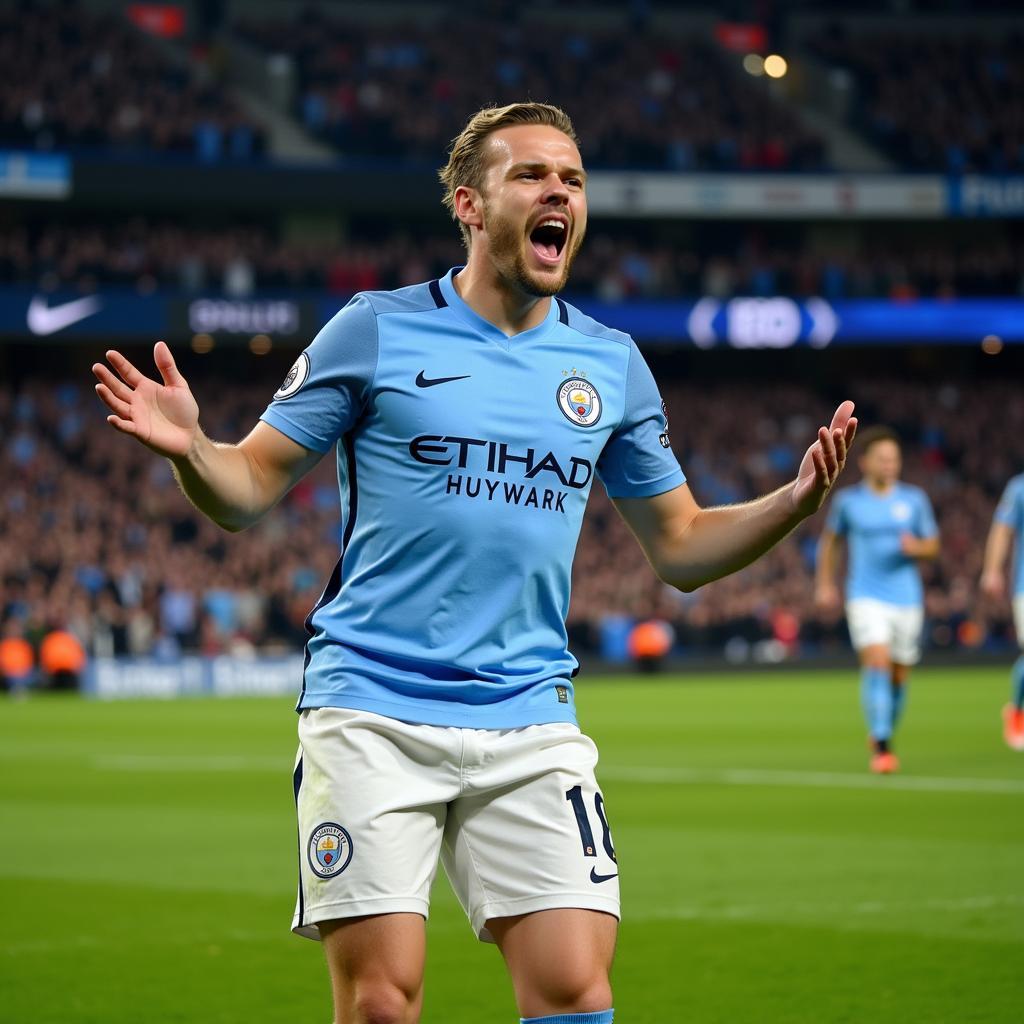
[(814, 780), (624, 773), (189, 763), (693, 912)]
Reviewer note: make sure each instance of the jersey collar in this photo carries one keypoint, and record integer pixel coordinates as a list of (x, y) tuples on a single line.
[(484, 327)]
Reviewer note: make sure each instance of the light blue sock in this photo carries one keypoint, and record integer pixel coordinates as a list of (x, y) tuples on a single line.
[(603, 1017), (899, 701), (876, 696), (1017, 675)]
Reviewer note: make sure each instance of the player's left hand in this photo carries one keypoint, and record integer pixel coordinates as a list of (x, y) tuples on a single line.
[(824, 461)]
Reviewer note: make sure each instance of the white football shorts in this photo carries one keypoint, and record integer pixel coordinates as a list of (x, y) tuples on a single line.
[(1018, 618), (895, 626), (515, 815)]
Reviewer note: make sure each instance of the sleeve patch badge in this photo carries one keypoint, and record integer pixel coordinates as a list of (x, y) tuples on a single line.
[(297, 376)]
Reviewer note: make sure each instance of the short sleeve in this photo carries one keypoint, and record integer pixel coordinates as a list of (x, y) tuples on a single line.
[(637, 461), (1010, 510), (329, 384), (926, 524), (835, 521)]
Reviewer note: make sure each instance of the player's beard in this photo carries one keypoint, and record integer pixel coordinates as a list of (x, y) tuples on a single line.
[(507, 246)]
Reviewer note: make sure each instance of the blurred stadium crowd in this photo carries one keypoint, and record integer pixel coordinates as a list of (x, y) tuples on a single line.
[(74, 79), (934, 101), (98, 541), (399, 89), (650, 101), (98, 547), (238, 260)]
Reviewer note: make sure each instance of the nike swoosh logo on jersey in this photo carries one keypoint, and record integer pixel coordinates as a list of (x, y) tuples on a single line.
[(43, 319), (429, 382), (595, 877)]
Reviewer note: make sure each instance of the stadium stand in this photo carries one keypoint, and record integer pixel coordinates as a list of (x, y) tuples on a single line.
[(73, 79), (154, 577), (238, 260), (644, 99), (113, 553), (936, 101)]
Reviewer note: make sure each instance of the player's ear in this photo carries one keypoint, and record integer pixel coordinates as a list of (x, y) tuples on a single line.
[(469, 206)]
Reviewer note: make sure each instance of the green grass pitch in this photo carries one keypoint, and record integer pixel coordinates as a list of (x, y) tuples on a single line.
[(148, 860)]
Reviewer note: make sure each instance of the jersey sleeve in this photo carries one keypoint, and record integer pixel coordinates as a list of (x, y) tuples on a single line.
[(1010, 510), (924, 522), (325, 391), (637, 461), (835, 520)]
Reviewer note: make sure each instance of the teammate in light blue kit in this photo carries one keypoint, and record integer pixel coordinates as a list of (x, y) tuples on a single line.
[(889, 526), (470, 417), (1007, 532)]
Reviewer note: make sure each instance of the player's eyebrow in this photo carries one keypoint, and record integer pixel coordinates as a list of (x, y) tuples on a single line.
[(564, 172)]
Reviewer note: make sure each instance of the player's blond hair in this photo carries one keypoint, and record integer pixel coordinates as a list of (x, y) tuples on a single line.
[(467, 163)]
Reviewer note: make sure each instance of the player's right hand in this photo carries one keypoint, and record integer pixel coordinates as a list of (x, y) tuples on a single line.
[(993, 585), (164, 417)]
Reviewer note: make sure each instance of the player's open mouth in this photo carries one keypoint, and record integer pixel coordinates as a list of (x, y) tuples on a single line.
[(548, 239)]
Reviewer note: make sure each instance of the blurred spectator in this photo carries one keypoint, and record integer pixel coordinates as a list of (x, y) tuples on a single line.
[(17, 659), (62, 659), (649, 643)]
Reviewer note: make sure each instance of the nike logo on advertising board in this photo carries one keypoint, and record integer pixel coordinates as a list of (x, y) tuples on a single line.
[(595, 877), (429, 382), (43, 319)]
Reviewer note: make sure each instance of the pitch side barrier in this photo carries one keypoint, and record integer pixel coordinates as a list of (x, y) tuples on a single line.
[(292, 319), (194, 676), (281, 676)]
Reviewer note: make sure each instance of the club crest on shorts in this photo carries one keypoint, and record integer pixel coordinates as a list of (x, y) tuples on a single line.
[(296, 378), (329, 850), (579, 401)]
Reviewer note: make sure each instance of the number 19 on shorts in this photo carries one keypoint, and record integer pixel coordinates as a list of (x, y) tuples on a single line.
[(579, 806)]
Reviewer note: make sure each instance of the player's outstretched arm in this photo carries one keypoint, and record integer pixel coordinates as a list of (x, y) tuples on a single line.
[(997, 549), (826, 593), (231, 484), (689, 546)]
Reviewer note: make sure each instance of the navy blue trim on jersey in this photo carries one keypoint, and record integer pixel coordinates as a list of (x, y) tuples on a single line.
[(296, 785), (436, 294), (353, 490), (563, 311), (334, 583)]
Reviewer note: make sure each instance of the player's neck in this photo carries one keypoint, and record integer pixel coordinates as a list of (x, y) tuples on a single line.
[(489, 295), (881, 486)]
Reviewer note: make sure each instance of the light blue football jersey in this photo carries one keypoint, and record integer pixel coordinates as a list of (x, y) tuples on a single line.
[(465, 459), (872, 524), (1010, 512)]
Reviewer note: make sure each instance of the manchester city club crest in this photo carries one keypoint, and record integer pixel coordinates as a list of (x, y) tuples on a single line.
[(902, 512), (296, 378), (329, 850), (579, 401)]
